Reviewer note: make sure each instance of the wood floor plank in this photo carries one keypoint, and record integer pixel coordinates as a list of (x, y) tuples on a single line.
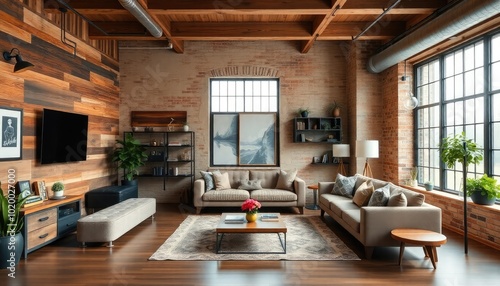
[(65, 263)]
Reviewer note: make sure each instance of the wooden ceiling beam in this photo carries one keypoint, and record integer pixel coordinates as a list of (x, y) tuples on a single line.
[(241, 31), (347, 30), (405, 4), (248, 6)]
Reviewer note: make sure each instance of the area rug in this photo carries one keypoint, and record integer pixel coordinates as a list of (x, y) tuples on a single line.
[(308, 238)]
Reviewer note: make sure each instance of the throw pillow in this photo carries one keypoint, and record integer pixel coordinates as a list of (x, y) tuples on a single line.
[(285, 180), (250, 185), (415, 199), (380, 196), (397, 200), (221, 181), (363, 194), (344, 186), (209, 180)]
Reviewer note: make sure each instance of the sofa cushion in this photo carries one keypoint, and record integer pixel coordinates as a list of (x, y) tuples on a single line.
[(269, 178), (250, 185), (344, 186), (380, 197), (273, 195), (414, 199), (285, 180), (352, 218), (397, 200), (226, 195), (363, 194), (221, 181), (340, 204), (209, 180)]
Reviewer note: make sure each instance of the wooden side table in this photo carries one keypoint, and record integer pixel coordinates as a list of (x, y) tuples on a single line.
[(428, 239), (314, 205)]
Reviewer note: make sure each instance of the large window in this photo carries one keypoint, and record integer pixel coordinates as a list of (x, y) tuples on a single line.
[(459, 91), (244, 121)]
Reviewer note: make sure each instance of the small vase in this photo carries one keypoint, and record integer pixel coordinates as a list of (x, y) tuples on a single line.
[(251, 217), (186, 128)]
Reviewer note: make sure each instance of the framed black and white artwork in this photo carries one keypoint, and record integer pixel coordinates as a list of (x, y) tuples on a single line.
[(225, 139), (257, 139), (11, 137)]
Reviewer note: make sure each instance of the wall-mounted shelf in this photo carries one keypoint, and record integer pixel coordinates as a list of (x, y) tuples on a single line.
[(317, 130)]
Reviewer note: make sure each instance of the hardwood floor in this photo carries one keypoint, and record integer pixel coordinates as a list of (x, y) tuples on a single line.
[(65, 263)]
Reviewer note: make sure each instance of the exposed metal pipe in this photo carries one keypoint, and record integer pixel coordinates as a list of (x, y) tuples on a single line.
[(142, 16), (459, 18), (376, 20)]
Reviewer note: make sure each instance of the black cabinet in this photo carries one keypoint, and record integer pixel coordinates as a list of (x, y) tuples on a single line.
[(170, 154), (317, 130)]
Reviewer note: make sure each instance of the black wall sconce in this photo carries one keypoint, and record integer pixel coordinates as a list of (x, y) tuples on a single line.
[(20, 64)]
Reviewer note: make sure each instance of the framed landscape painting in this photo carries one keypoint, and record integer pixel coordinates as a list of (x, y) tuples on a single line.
[(257, 139), (225, 139), (11, 137)]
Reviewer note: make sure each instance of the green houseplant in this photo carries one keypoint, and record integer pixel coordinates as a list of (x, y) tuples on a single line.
[(130, 156), (58, 189), (11, 223), (483, 190), (304, 112)]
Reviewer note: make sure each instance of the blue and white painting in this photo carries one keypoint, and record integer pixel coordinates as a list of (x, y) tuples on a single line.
[(257, 139), (225, 139)]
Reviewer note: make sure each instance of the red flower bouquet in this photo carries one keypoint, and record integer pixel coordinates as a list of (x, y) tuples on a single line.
[(251, 206)]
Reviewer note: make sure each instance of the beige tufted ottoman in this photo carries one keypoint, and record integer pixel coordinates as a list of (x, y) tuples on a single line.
[(112, 222)]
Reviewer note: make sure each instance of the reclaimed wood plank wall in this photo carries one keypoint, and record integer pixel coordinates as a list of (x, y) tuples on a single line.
[(86, 84)]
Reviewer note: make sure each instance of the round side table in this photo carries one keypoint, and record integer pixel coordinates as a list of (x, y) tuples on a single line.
[(426, 238), (314, 205)]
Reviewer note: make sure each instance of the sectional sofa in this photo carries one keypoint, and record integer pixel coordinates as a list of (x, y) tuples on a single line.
[(271, 187), (370, 220)]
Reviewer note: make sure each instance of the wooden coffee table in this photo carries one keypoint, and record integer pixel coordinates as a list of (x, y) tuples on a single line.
[(258, 226), (428, 239)]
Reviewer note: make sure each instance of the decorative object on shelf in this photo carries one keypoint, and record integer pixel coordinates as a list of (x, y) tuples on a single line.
[(483, 190), (130, 156), (11, 224), (304, 112), (185, 127), (465, 151), (367, 149), (20, 65), (11, 123), (40, 189), (251, 207), (341, 151), (334, 109), (170, 126), (413, 177), (58, 189), (429, 186), (411, 102)]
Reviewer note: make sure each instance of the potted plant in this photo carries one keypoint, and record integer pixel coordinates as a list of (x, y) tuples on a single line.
[(413, 176), (334, 109), (130, 156), (483, 190), (11, 223), (304, 112), (428, 185), (58, 189)]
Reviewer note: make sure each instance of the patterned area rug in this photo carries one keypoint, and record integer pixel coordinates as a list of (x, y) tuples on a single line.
[(308, 238)]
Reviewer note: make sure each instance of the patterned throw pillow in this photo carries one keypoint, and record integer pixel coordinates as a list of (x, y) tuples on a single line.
[(397, 200), (250, 185), (380, 197), (285, 180), (221, 181), (344, 186), (363, 194), (209, 180)]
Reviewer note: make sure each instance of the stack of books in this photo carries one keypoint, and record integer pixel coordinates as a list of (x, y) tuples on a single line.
[(234, 219), (270, 217), (33, 200)]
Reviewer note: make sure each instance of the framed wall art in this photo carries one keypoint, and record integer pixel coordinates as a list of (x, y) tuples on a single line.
[(11, 137), (224, 139), (257, 139)]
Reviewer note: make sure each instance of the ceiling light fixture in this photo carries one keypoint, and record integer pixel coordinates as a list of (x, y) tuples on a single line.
[(411, 102), (20, 64)]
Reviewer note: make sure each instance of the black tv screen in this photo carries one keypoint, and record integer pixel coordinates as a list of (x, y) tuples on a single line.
[(63, 137)]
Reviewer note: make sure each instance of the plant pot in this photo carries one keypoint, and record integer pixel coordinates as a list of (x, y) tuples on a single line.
[(480, 199), (129, 183), (304, 114), (9, 257), (251, 217), (414, 183), (59, 193), (336, 112), (186, 128), (429, 187)]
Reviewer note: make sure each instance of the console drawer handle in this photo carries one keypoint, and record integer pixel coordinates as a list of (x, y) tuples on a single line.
[(43, 235), (43, 218)]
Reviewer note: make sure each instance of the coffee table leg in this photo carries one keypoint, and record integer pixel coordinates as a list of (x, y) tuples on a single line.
[(401, 252), (218, 241), (431, 250)]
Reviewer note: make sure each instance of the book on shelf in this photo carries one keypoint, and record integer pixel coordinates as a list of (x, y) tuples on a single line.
[(270, 217), (234, 219), (174, 143), (33, 200)]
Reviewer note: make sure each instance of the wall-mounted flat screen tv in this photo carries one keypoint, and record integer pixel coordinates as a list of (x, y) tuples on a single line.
[(63, 137)]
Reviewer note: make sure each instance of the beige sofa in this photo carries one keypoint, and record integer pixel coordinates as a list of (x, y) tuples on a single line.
[(371, 225), (268, 196)]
